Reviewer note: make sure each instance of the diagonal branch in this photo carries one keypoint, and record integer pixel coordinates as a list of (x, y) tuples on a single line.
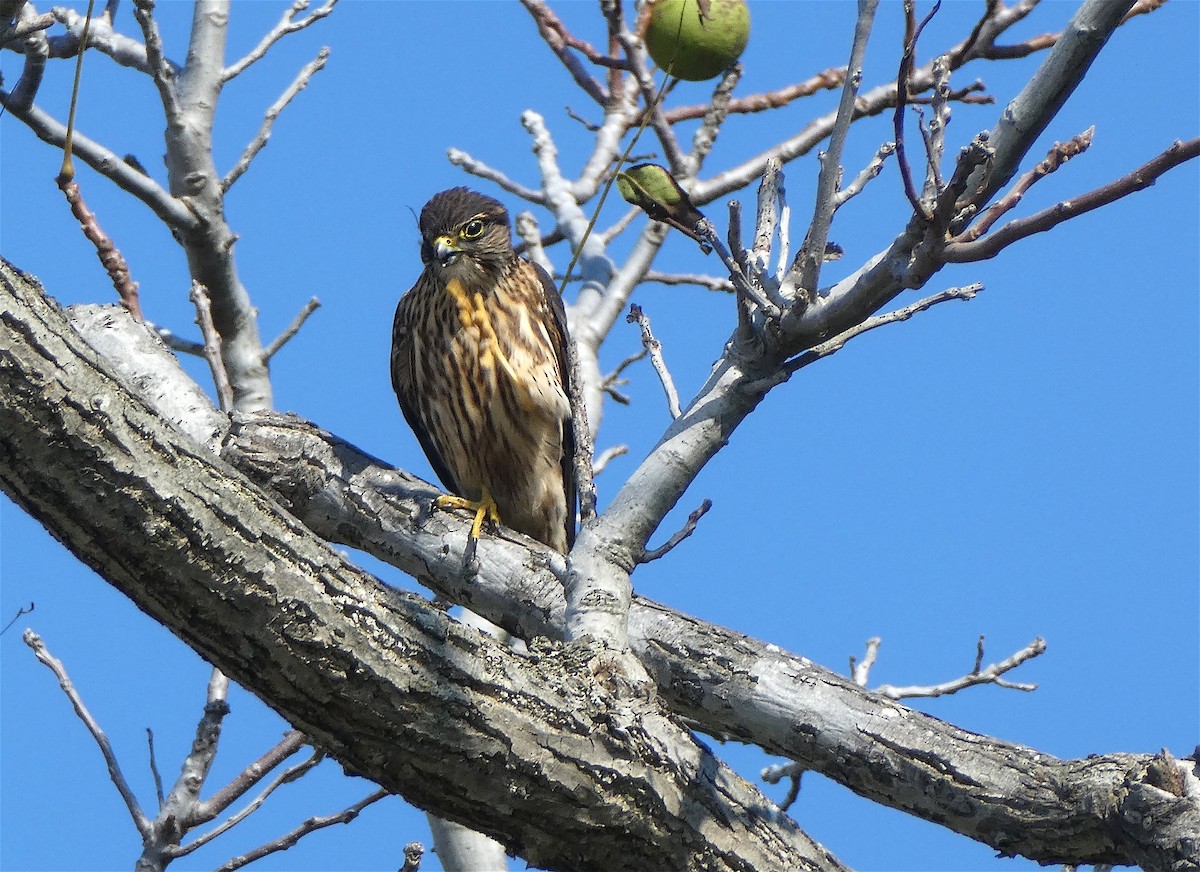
[(286, 24), (554, 755), (171, 210), (34, 641), (311, 825), (264, 132), (1034, 805), (561, 42), (1141, 178)]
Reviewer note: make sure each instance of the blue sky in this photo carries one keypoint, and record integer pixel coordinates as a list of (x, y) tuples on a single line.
[(1024, 464)]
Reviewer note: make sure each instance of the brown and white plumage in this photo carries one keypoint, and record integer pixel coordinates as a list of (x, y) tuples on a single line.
[(479, 364)]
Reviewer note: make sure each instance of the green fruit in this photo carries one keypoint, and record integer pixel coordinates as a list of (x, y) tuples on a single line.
[(697, 39)]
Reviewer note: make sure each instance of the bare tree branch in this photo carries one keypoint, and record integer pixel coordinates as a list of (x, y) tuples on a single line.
[(292, 329), (309, 826), (34, 641), (1059, 154), (561, 42), (1141, 178), (654, 349), (977, 676), (813, 253), (287, 24), (264, 132), (212, 345), (684, 532)]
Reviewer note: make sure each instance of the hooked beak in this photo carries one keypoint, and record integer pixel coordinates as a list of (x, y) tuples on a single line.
[(445, 250)]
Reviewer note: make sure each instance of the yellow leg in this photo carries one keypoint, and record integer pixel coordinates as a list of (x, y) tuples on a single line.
[(483, 508)]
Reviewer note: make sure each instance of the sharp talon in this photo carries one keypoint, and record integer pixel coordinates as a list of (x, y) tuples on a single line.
[(483, 509)]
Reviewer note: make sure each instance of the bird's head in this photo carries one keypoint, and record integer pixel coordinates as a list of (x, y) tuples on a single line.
[(464, 233)]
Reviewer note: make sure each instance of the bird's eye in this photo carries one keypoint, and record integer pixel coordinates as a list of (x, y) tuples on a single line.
[(472, 228)]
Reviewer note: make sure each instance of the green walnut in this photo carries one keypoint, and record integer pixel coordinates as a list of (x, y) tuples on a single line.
[(697, 39)]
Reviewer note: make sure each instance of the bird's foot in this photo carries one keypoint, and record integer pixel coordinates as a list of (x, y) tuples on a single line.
[(483, 509)]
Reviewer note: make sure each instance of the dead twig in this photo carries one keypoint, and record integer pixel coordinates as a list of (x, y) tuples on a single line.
[(312, 824), (110, 256), (34, 641), (212, 345), (654, 349), (292, 329), (264, 131), (911, 35), (688, 529), (987, 675)]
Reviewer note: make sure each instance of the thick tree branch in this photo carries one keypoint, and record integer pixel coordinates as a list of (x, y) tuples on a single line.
[(528, 748), (1010, 797), (750, 692), (1024, 119)]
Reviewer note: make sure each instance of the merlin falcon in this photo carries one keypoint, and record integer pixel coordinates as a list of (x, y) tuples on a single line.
[(479, 364)]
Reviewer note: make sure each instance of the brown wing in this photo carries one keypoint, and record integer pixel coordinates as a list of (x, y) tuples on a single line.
[(559, 337), (407, 390)]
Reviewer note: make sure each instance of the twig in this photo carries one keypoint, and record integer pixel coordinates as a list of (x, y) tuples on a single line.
[(34, 641), (1059, 154), (158, 786), (741, 284), (935, 141), (988, 675), (607, 455), (159, 67), (20, 611), (870, 171), (176, 342), (292, 742), (287, 24), (688, 529), (770, 196), (775, 774), (818, 234), (718, 110), (264, 131), (460, 158), (236, 788), (555, 34), (978, 655), (613, 379), (292, 329), (110, 256), (712, 283), (654, 347), (532, 246), (212, 345), (172, 211), (635, 54), (835, 344), (823, 81), (311, 825), (860, 671), (912, 34), (621, 224), (1143, 177)]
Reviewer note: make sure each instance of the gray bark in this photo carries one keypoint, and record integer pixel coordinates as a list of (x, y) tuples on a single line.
[(258, 594), (532, 749)]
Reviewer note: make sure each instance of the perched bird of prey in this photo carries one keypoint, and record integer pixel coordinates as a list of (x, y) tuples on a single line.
[(479, 364)]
